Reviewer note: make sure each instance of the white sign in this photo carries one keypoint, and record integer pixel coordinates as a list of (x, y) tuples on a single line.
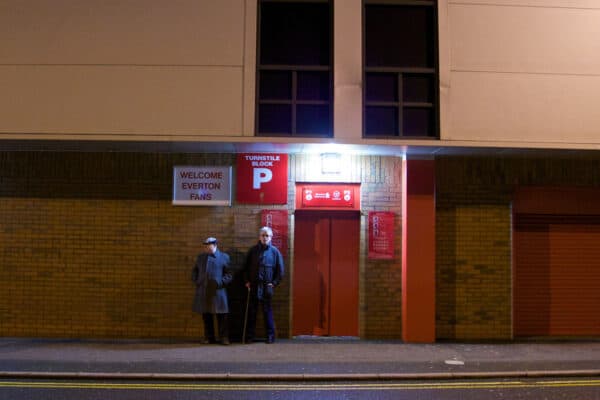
[(201, 186)]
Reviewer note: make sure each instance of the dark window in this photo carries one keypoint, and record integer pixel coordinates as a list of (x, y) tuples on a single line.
[(381, 120), (400, 69), (294, 71), (276, 85), (381, 87), (275, 119)]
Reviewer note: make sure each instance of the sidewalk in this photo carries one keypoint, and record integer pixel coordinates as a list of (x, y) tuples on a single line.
[(293, 359)]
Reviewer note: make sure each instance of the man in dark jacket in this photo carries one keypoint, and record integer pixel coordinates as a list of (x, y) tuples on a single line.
[(263, 271), (211, 274)]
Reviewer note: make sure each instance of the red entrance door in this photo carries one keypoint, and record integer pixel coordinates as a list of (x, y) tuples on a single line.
[(326, 248)]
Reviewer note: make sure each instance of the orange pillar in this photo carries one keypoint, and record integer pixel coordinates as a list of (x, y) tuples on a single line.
[(418, 251)]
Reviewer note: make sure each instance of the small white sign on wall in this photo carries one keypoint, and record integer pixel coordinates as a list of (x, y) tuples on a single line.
[(201, 186)]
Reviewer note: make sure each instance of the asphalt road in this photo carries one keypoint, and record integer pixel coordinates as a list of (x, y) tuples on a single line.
[(470, 389)]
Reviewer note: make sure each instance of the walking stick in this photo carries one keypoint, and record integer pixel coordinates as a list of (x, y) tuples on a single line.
[(246, 317)]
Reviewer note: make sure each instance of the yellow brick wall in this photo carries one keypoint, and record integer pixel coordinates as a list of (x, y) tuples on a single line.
[(90, 246), (381, 280), (473, 272)]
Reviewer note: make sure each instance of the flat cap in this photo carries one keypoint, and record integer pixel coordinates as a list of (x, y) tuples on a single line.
[(210, 240)]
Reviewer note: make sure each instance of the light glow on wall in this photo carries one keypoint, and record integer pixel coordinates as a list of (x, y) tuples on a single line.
[(326, 167), (330, 163)]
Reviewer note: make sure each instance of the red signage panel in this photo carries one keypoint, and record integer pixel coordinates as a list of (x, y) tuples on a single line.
[(277, 220), (381, 235), (328, 196), (262, 178)]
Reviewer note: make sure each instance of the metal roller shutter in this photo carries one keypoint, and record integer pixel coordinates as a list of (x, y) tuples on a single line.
[(556, 275)]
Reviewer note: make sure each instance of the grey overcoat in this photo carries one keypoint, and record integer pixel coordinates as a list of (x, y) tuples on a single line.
[(211, 274)]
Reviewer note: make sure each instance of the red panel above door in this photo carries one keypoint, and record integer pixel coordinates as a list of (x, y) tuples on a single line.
[(328, 196)]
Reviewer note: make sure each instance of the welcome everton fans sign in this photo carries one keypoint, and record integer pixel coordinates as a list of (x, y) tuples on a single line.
[(201, 186)]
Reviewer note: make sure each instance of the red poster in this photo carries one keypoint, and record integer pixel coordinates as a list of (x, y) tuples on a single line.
[(381, 235), (277, 220), (262, 178)]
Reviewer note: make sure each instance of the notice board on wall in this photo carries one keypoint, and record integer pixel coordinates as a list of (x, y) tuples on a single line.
[(381, 235), (277, 220)]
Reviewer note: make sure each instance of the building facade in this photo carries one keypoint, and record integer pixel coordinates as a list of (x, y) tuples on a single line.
[(469, 127)]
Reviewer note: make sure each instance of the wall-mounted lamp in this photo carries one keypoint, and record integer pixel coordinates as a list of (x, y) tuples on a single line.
[(331, 163)]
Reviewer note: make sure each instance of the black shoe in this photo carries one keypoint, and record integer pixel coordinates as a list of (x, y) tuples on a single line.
[(270, 339), (208, 341), (225, 342)]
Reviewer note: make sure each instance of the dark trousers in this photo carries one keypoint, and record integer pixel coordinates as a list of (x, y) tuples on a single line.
[(209, 328), (267, 316)]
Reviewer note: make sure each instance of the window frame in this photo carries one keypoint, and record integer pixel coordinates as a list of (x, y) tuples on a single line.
[(400, 105), (294, 102)]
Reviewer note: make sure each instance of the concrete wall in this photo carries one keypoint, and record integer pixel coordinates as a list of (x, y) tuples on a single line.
[(147, 70), (520, 71)]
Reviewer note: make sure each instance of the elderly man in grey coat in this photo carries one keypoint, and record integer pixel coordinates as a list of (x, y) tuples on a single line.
[(212, 274)]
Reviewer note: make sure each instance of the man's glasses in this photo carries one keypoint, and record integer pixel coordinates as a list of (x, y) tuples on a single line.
[(265, 235)]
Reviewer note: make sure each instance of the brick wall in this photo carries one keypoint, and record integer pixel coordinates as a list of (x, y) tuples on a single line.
[(473, 227), (381, 282), (90, 246)]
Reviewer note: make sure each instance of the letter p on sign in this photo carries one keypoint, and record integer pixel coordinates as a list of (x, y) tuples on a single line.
[(261, 175)]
